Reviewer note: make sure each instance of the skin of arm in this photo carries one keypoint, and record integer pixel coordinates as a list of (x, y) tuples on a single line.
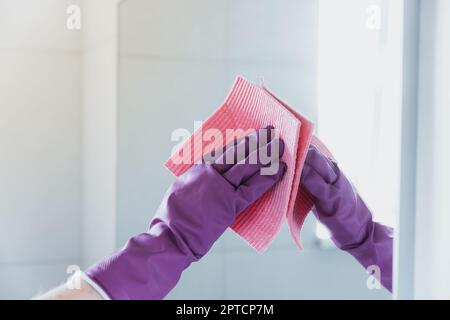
[(84, 292)]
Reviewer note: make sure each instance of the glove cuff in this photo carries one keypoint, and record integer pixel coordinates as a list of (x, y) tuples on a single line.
[(147, 268)]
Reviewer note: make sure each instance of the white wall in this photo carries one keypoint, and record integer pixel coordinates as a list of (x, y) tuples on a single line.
[(40, 151), (432, 279)]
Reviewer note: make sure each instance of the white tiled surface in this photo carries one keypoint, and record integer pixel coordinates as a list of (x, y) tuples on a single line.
[(99, 25), (37, 25), (40, 152), (286, 274), (25, 281), (173, 28), (271, 30), (295, 83)]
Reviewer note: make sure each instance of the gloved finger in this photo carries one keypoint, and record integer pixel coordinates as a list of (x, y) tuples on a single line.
[(256, 186), (267, 157), (269, 153), (217, 157), (314, 183), (240, 149), (324, 167)]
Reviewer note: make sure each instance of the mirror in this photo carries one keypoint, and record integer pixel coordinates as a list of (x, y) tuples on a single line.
[(177, 62)]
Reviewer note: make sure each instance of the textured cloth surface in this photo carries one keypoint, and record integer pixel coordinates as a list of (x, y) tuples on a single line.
[(249, 107)]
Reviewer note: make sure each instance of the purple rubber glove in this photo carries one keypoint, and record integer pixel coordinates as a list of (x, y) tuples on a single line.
[(196, 210), (339, 207)]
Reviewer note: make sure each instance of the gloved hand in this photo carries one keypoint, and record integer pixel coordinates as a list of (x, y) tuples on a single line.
[(339, 207), (196, 210)]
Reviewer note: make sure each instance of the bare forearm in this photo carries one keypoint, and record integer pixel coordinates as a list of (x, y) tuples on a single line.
[(63, 292)]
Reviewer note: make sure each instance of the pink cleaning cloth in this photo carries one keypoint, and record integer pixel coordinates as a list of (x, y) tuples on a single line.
[(249, 107)]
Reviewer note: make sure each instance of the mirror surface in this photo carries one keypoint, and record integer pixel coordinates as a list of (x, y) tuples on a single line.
[(177, 62)]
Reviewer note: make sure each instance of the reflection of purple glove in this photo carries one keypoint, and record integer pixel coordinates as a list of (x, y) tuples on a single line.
[(339, 207), (199, 206)]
